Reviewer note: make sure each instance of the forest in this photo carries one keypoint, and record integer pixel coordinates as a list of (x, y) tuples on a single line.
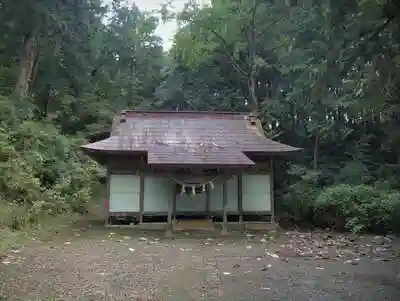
[(322, 75)]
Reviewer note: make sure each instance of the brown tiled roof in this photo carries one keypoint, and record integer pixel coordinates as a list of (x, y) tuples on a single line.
[(197, 156), (188, 138)]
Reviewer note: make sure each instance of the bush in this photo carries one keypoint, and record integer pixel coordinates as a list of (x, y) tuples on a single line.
[(357, 208), (298, 201), (42, 173)]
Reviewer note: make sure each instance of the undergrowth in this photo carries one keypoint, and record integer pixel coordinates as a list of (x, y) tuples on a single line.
[(46, 183), (47, 227), (356, 207)]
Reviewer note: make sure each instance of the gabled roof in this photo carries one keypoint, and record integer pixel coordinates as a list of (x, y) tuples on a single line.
[(173, 137)]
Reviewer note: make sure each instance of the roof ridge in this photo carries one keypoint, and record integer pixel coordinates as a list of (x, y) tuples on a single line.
[(128, 112)]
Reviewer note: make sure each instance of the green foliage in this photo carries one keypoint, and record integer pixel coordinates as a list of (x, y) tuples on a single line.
[(343, 207), (42, 172), (322, 75), (298, 201), (357, 208), (325, 77), (71, 66)]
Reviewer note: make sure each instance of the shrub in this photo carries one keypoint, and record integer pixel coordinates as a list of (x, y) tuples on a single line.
[(42, 173), (356, 208), (298, 201)]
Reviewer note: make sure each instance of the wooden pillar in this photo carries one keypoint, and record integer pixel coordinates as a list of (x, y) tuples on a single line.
[(240, 197), (141, 198), (107, 201), (171, 205), (174, 191), (208, 196), (224, 208), (271, 187)]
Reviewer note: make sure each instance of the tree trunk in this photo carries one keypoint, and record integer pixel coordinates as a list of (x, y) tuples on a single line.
[(35, 68), (253, 101), (316, 150), (27, 64), (44, 101)]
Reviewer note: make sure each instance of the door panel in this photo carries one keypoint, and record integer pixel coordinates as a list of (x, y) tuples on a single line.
[(124, 193), (157, 193), (191, 203), (256, 193), (232, 194), (216, 197)]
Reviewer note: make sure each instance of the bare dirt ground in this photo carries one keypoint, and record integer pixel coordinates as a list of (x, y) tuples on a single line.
[(96, 264)]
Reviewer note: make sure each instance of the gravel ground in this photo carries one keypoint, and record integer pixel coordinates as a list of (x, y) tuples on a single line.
[(99, 265)]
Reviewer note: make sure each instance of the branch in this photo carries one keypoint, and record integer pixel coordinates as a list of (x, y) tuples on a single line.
[(251, 35), (254, 12), (350, 61), (252, 40), (235, 63), (269, 26)]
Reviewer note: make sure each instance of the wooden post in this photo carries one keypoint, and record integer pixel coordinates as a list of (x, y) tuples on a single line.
[(225, 208), (174, 191), (208, 201), (141, 198), (271, 187), (240, 197), (107, 201), (171, 205)]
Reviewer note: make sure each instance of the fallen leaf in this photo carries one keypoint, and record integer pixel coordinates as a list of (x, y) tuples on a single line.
[(268, 266), (353, 261), (273, 255), (381, 259)]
